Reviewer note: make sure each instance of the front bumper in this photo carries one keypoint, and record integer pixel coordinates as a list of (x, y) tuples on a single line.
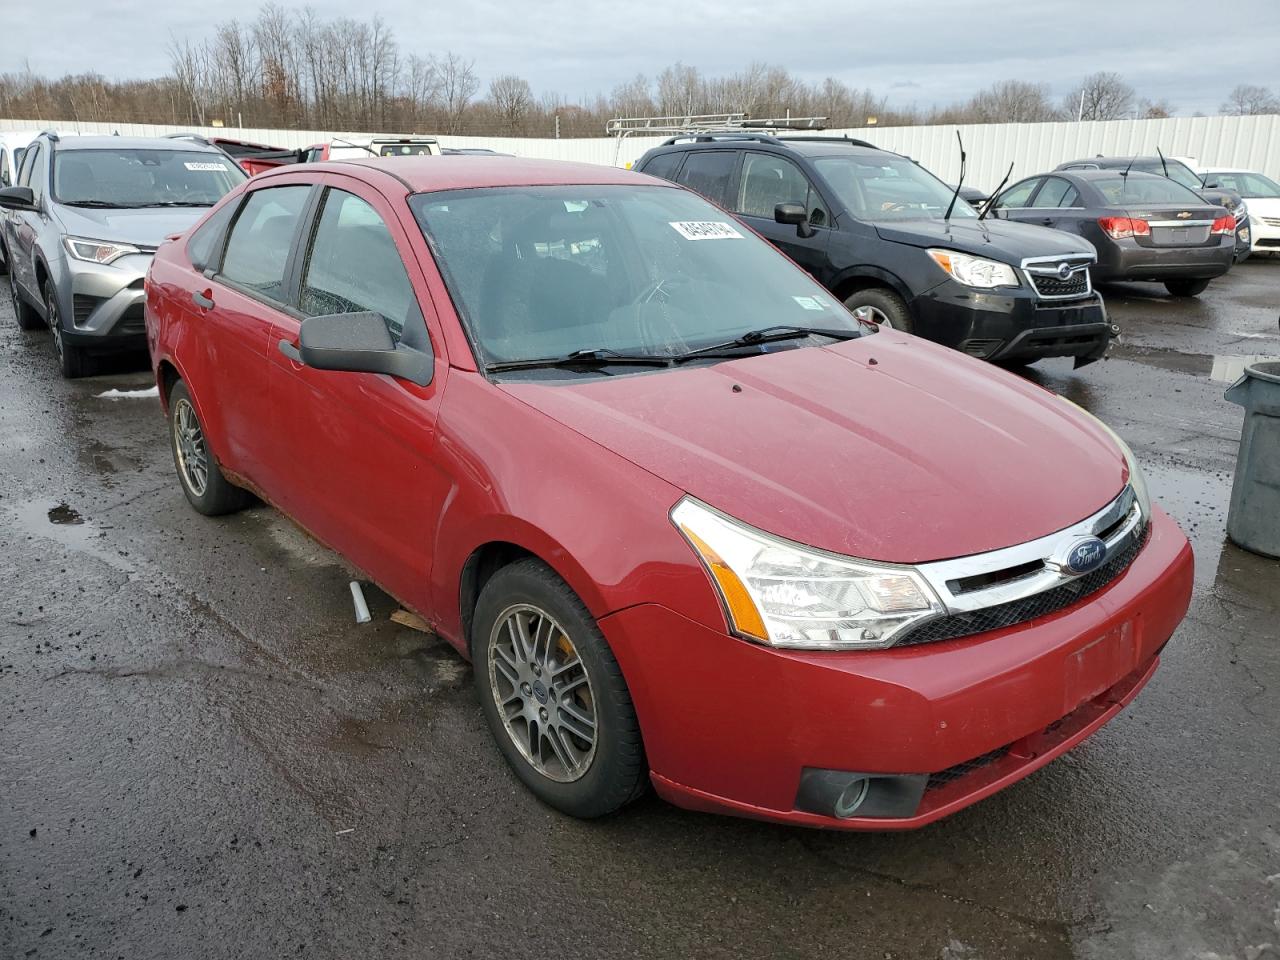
[(1264, 234), (1128, 260), (102, 304), (1012, 324), (731, 726)]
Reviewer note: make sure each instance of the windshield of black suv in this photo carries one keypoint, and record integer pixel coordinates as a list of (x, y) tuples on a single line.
[(142, 178), (885, 187), (1141, 188), (542, 272)]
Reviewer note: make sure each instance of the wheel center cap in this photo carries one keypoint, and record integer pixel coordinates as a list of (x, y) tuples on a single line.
[(540, 691)]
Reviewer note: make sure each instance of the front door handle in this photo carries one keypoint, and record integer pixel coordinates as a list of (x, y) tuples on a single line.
[(204, 299), (1047, 221), (290, 351)]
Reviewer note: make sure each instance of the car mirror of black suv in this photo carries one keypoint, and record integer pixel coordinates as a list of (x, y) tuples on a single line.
[(17, 198), (358, 343), (794, 213)]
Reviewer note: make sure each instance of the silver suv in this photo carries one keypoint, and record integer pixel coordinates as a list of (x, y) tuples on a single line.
[(81, 223)]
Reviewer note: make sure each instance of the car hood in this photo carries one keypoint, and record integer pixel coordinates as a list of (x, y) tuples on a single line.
[(145, 227), (1264, 206), (887, 447), (993, 238), (1219, 197)]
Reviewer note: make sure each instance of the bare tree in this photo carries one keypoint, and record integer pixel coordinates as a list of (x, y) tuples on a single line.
[(1155, 109), (1100, 96), (513, 99), (1249, 100), (1012, 101), (458, 85), (679, 91)]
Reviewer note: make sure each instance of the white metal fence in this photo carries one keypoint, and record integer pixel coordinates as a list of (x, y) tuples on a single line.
[(1250, 142)]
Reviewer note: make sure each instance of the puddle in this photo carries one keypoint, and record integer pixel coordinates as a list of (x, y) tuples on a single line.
[(64, 514), (61, 523), (1219, 368), (1229, 369)]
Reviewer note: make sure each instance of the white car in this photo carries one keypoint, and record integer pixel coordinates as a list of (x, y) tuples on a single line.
[(1261, 193)]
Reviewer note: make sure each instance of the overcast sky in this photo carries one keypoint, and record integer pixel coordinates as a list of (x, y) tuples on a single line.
[(1190, 52)]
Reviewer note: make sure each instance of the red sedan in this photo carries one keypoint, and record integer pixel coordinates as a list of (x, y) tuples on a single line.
[(692, 522)]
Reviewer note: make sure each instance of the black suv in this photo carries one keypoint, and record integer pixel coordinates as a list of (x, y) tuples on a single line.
[(883, 234)]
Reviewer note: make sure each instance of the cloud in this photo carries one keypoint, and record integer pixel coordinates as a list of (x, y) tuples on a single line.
[(930, 51)]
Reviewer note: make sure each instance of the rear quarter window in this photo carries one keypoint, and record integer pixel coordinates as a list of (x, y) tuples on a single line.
[(664, 165), (708, 172)]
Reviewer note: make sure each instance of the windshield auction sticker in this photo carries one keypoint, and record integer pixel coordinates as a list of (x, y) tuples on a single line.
[(705, 230), (222, 167)]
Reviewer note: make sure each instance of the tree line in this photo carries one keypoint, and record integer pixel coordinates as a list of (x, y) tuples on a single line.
[(289, 69)]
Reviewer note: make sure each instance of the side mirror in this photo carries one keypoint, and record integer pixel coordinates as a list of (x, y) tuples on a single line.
[(1212, 185), (357, 343), (17, 198), (794, 213)]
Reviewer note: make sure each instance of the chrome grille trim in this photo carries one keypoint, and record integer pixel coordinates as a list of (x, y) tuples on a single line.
[(1034, 267), (1122, 516)]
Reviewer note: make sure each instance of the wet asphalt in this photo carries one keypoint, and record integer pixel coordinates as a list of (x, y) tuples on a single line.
[(202, 755)]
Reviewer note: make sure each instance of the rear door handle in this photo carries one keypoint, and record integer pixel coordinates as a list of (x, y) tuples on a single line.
[(204, 300), (1047, 221)]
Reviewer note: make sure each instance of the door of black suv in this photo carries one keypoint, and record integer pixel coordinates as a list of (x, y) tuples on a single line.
[(767, 180)]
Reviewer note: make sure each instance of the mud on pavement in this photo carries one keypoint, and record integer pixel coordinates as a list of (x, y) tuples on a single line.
[(204, 756)]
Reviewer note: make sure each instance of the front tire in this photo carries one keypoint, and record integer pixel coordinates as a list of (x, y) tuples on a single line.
[(882, 307), (73, 361), (203, 482), (26, 315), (1186, 288), (553, 694)]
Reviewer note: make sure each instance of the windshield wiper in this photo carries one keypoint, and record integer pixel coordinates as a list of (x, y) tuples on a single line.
[(95, 203), (173, 203), (766, 335), (598, 357)]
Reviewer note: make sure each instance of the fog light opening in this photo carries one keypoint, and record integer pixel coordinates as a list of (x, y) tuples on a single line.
[(851, 797)]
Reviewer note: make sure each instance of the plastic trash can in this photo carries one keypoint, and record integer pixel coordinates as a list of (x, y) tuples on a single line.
[(1254, 519)]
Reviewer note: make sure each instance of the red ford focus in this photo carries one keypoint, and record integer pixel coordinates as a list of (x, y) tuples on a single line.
[(692, 523)]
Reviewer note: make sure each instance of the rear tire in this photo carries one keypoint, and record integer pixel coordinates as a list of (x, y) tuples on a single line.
[(1186, 288), (73, 361), (881, 307), (536, 696), (23, 312), (203, 482)]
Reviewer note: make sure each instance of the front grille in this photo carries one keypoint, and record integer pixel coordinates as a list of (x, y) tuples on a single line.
[(1076, 285), (82, 305), (1271, 221), (951, 774), (981, 348), (971, 622), (1268, 242)]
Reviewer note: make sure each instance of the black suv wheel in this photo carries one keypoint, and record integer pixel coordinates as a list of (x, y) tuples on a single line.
[(882, 307)]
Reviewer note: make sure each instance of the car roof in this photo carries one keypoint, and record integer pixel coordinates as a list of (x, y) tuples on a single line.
[(1105, 173), (133, 143), (818, 147), (1119, 161), (458, 172)]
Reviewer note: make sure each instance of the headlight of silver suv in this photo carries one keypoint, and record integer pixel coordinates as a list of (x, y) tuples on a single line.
[(785, 594), (975, 271), (97, 251)]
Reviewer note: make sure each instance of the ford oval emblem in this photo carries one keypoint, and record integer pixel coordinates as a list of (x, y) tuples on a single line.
[(1085, 555)]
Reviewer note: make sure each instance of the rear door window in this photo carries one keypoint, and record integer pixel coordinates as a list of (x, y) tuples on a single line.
[(354, 266), (1057, 193), (1018, 195), (258, 248), (708, 172), (204, 249)]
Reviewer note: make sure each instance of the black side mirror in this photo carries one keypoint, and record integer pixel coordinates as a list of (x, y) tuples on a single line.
[(358, 343), (17, 198), (1212, 185), (794, 213)]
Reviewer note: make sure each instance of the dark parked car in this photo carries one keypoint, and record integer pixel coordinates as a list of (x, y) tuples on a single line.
[(1144, 226), (1179, 172), (873, 228)]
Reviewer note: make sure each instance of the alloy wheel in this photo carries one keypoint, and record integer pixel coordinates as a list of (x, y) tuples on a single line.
[(543, 692), (869, 314), (193, 459), (55, 326)]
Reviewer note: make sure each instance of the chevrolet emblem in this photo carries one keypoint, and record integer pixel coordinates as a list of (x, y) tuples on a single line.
[(1184, 215)]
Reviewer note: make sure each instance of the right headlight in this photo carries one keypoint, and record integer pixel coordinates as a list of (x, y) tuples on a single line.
[(975, 271), (785, 594)]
